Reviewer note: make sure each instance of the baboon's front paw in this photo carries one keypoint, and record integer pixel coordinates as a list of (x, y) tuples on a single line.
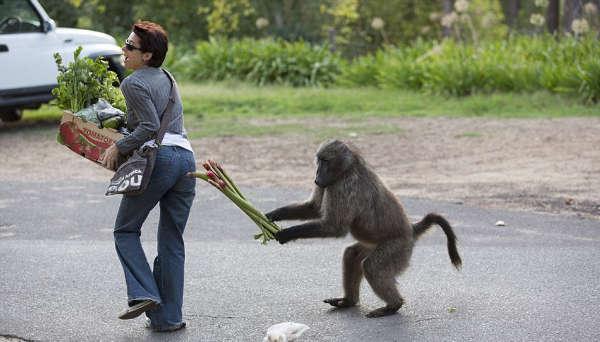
[(280, 236), (384, 311), (272, 216), (339, 302)]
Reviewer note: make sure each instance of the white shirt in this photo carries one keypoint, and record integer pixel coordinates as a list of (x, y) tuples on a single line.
[(171, 139)]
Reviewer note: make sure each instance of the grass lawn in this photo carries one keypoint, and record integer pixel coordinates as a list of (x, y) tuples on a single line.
[(231, 108)]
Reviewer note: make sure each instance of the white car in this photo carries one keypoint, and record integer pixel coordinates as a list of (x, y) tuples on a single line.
[(28, 41)]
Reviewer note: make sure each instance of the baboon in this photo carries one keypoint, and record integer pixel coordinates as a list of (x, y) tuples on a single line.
[(350, 197)]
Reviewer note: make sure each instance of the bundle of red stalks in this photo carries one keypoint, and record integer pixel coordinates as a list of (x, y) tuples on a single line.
[(217, 177)]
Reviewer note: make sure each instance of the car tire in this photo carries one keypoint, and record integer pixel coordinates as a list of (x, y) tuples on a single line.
[(117, 67), (10, 115)]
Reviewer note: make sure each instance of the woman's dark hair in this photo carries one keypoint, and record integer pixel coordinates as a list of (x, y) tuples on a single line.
[(153, 38)]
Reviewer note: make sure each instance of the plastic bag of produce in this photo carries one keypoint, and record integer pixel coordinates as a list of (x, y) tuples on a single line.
[(108, 115), (103, 114), (88, 114)]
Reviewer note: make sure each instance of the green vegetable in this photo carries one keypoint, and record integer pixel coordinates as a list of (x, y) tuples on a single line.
[(114, 122), (217, 177), (83, 81)]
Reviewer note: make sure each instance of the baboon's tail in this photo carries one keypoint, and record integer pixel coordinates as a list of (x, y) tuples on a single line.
[(422, 226)]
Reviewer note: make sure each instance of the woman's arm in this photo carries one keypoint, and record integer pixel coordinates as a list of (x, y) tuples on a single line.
[(139, 102)]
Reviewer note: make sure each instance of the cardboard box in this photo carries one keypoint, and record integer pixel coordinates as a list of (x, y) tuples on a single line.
[(85, 138)]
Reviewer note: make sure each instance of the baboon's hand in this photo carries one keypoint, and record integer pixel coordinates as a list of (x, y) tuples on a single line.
[(282, 236), (273, 216)]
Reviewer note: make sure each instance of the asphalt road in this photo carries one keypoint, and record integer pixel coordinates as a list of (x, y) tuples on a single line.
[(535, 279)]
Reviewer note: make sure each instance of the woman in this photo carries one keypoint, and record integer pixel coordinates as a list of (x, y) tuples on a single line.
[(158, 293)]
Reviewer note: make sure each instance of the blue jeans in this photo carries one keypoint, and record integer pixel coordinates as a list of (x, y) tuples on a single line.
[(175, 192)]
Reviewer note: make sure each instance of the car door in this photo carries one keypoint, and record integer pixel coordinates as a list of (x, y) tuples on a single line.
[(26, 51)]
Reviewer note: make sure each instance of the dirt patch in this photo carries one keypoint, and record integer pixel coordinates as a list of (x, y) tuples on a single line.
[(550, 165)]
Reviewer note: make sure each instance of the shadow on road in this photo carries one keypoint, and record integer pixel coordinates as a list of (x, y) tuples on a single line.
[(28, 124)]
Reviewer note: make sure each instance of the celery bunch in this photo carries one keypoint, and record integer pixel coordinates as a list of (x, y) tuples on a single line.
[(83, 81), (217, 177)]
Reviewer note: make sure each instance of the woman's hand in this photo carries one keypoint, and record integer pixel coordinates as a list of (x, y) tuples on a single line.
[(110, 158)]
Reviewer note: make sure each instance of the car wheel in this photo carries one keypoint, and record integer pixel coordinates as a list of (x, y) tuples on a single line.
[(13, 114)]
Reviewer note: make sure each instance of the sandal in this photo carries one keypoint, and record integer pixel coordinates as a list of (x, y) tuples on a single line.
[(138, 309)]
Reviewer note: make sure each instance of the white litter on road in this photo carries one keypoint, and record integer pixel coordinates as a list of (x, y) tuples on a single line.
[(284, 332)]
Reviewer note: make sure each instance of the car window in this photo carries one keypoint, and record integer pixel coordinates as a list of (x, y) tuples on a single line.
[(18, 16)]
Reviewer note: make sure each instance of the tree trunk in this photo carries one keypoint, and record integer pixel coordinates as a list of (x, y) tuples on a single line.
[(553, 16), (573, 9), (511, 12), (447, 7)]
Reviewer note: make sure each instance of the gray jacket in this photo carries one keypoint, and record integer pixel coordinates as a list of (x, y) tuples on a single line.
[(146, 94)]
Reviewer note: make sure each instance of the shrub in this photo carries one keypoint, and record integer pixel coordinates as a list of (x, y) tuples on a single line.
[(362, 71), (403, 68), (515, 64), (261, 62), (589, 73), (518, 64)]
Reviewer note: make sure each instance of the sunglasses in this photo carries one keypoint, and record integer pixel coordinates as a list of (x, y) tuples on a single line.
[(131, 47)]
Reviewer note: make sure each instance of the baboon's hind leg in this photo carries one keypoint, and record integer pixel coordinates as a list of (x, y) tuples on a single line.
[(381, 267), (353, 257)]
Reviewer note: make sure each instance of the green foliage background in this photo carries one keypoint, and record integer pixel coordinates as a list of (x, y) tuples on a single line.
[(260, 62), (336, 42), (313, 21)]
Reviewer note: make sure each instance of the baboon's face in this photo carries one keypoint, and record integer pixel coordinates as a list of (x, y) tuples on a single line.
[(333, 160)]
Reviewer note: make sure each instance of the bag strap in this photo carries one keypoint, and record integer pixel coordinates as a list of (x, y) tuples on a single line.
[(168, 113)]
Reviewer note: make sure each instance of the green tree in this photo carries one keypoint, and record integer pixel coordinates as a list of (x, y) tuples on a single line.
[(365, 25), (183, 19), (114, 17), (223, 17), (64, 12), (290, 19)]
